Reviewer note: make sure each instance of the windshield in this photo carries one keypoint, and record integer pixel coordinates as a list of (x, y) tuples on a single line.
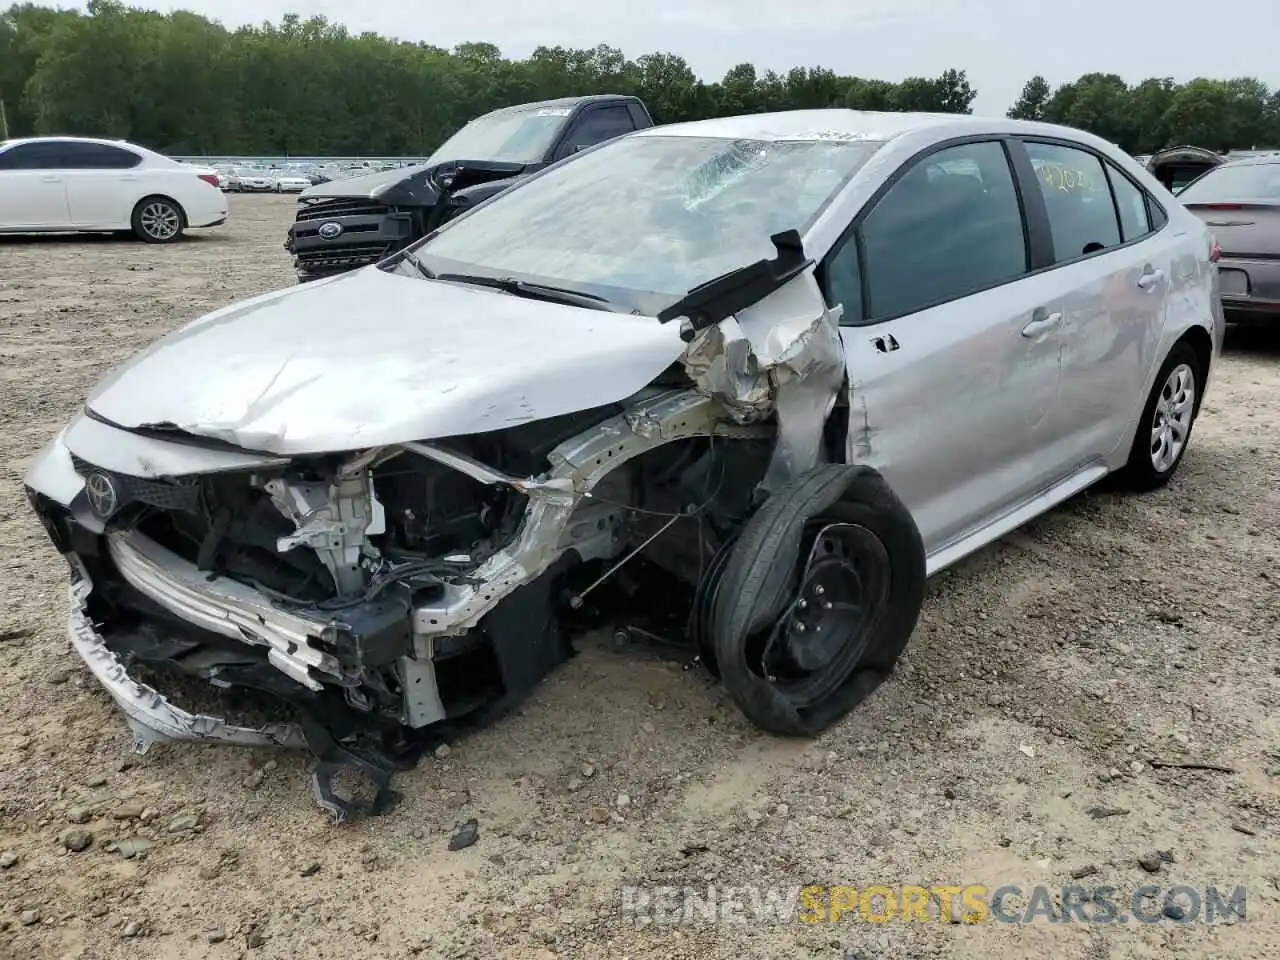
[(520, 136), (1248, 181), (644, 219)]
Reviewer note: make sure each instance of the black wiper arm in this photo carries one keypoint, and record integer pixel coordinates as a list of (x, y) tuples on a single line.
[(535, 291), (709, 303)]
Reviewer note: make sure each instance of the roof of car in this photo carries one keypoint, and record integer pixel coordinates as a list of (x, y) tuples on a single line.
[(99, 140), (1253, 159), (838, 123), (564, 103)]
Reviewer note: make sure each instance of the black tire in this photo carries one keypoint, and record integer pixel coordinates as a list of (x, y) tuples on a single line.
[(1141, 473), (771, 563), (158, 220)]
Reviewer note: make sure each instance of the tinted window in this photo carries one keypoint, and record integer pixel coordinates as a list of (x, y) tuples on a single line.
[(950, 226), (1158, 217), (1082, 217), (1131, 202), (1246, 181), (601, 123), (97, 156), (31, 156)]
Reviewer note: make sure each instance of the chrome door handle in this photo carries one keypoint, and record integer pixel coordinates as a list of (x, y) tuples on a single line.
[(1041, 324), (1149, 279)]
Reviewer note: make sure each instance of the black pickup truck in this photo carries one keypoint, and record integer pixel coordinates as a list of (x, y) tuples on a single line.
[(346, 224)]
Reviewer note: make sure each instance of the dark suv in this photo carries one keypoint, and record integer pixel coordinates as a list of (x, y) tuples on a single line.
[(346, 224)]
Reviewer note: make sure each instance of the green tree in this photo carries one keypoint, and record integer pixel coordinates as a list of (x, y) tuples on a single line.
[(1033, 100)]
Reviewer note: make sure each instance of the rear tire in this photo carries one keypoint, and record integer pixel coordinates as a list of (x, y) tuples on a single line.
[(1164, 429), (158, 220), (835, 551)]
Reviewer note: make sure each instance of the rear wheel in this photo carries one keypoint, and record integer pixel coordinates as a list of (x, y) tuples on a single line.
[(1164, 430), (157, 220), (817, 599)]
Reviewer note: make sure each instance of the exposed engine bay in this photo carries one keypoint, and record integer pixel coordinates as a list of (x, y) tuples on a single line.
[(388, 591)]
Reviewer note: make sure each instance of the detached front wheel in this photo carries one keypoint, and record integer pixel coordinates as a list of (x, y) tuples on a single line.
[(817, 599)]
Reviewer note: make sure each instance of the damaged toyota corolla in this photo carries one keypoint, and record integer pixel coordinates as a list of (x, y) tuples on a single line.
[(793, 363)]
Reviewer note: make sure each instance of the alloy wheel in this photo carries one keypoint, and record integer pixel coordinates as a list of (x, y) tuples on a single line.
[(1171, 421)]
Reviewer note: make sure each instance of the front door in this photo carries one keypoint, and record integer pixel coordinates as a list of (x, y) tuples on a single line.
[(952, 355), (33, 189)]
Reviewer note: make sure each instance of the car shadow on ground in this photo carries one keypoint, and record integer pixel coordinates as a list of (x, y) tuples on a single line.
[(1256, 340), (100, 239)]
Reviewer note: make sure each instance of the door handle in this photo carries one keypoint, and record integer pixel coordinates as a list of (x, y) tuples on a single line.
[(1041, 322), (1150, 277), (50, 178)]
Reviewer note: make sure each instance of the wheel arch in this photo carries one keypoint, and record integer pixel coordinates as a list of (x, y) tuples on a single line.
[(1201, 344), (182, 211)]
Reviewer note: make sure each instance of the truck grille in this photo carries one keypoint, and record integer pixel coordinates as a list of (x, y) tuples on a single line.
[(341, 207), (348, 257)]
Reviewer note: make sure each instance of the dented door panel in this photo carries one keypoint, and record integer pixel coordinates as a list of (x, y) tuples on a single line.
[(951, 414)]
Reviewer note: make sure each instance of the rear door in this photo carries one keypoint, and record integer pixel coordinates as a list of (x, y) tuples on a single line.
[(950, 374), (1109, 281), (33, 189), (103, 183)]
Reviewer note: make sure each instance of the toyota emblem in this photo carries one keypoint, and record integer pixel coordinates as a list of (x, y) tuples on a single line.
[(330, 231), (104, 500)]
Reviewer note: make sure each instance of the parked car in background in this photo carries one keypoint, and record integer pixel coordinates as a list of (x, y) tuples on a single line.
[(359, 220), (784, 366), (83, 184), (1239, 201), (256, 181), (292, 183), (1175, 167)]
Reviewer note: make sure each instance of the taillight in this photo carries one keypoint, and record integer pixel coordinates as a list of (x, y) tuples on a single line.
[(1224, 206), (210, 178), (1215, 251)]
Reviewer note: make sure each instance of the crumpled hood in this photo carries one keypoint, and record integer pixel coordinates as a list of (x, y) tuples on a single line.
[(371, 358)]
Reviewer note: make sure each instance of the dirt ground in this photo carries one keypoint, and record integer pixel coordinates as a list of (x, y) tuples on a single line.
[(1050, 676)]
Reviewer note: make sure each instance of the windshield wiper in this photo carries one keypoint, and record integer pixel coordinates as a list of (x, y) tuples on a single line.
[(723, 296), (412, 259), (534, 291)]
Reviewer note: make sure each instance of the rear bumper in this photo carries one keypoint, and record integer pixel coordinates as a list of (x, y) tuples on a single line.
[(1251, 309)]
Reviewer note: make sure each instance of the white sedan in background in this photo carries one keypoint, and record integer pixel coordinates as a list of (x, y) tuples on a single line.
[(292, 183), (77, 184)]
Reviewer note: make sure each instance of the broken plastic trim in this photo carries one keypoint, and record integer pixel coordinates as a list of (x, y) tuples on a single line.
[(709, 303)]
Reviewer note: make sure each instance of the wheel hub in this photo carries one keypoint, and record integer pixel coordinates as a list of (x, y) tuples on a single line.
[(828, 596)]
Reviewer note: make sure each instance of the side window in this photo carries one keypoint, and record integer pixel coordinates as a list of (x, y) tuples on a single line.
[(32, 156), (597, 125), (97, 156), (1131, 202), (949, 227), (1082, 217), (1158, 217)]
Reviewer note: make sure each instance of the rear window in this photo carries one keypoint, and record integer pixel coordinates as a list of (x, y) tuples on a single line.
[(1248, 181)]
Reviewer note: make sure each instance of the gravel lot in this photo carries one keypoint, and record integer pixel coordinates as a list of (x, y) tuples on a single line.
[(1048, 672)]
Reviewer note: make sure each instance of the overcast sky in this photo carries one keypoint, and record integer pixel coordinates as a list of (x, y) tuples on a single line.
[(1001, 43)]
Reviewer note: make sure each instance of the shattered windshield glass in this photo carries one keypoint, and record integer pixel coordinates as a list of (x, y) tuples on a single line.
[(521, 136), (644, 219)]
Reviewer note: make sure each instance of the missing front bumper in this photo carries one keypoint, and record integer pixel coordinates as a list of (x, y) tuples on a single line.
[(151, 716)]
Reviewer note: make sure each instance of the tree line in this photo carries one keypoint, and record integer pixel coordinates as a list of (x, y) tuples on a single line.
[(184, 84)]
